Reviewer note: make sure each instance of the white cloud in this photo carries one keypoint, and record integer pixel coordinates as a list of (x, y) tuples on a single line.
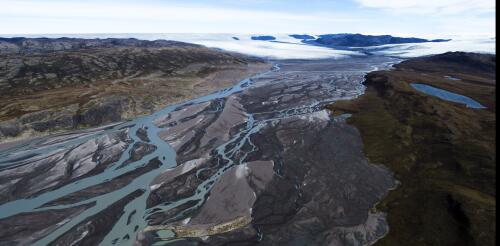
[(438, 18), (445, 7), (396, 17), (148, 11), (92, 9), (108, 16)]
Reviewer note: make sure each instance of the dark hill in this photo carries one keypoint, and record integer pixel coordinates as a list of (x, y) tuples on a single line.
[(263, 38), (301, 36), (456, 61)]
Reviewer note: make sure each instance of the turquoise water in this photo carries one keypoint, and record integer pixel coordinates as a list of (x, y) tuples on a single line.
[(446, 95)]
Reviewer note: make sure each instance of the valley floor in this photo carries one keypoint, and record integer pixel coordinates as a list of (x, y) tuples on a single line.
[(262, 161), (303, 154)]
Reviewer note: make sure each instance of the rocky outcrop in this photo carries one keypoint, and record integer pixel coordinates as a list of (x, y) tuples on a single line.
[(263, 38)]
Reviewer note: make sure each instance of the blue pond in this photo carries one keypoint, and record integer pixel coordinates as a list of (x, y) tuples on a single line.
[(446, 95)]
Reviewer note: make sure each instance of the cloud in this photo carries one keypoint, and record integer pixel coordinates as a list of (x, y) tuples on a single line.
[(144, 11), (444, 7), (438, 17), (57, 16), (423, 17), (150, 11)]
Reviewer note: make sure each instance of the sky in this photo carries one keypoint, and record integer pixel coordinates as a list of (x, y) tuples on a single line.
[(424, 18)]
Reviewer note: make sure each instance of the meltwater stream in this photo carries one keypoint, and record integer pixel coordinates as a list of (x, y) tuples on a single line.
[(343, 81), (164, 153)]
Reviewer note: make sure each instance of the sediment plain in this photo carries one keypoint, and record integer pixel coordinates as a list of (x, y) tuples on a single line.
[(132, 142), (262, 161)]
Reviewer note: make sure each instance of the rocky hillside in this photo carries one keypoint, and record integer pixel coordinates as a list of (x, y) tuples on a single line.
[(442, 152), (58, 84)]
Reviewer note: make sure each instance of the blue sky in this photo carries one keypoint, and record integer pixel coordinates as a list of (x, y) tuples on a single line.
[(433, 18)]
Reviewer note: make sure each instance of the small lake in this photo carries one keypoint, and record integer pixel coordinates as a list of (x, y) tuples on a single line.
[(446, 95)]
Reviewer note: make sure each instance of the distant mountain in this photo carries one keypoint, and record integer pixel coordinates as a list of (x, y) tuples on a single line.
[(360, 40), (302, 36), (263, 38)]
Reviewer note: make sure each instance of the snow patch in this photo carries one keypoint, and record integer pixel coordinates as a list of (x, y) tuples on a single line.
[(479, 45), (186, 220), (155, 186), (241, 171), (322, 115)]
